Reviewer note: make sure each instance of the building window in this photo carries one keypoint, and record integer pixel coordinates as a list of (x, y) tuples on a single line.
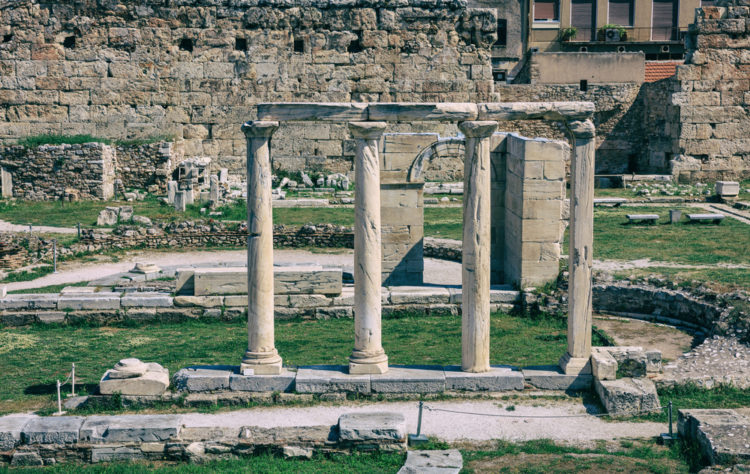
[(546, 10), (583, 18), (664, 20), (621, 12), (502, 33), (708, 3)]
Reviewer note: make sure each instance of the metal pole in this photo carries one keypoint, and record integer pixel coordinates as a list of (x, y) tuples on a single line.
[(79, 230), (73, 381), (669, 408), (419, 419), (30, 229), (54, 256), (59, 399)]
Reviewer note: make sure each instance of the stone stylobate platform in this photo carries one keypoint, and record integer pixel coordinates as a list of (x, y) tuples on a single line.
[(367, 122)]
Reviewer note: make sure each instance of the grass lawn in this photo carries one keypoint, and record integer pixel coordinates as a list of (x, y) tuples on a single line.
[(723, 280), (34, 357)]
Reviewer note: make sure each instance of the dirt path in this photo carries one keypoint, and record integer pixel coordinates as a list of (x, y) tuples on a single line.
[(618, 265), (8, 227)]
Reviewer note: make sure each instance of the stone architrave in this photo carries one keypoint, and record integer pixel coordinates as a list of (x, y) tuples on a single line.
[(475, 267), (577, 359), (368, 356), (261, 356), (171, 190)]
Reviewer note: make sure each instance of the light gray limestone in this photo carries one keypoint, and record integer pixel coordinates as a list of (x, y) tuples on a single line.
[(6, 183), (214, 190), (153, 382), (497, 379), (204, 378), (409, 379), (727, 188), (722, 435), (283, 382), (502, 111), (418, 112), (330, 378), (10, 430), (419, 295), (51, 317), (146, 300), (448, 461), (115, 453), (199, 301), (52, 430), (475, 266), (627, 396), (291, 279), (550, 377), (128, 368), (130, 428), (29, 301), (171, 191), (381, 426), (26, 458), (303, 111), (181, 198), (603, 365), (103, 300), (368, 356), (261, 357)]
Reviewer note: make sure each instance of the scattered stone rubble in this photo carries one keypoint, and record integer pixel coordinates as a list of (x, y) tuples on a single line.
[(717, 360)]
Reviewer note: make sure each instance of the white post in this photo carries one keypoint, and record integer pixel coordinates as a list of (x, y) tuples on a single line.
[(261, 357), (577, 359), (368, 356), (475, 266), (73, 381), (59, 400)]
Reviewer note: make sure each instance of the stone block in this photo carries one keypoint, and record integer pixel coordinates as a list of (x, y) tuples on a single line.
[(236, 300), (627, 396), (154, 382), (603, 365), (727, 188), (448, 461), (26, 458), (332, 111), (52, 430), (409, 379), (330, 378), (283, 382), (498, 379), (204, 378), (653, 361), (94, 301), (419, 295), (410, 112), (551, 377), (146, 300), (51, 317), (116, 453), (199, 301), (29, 301), (631, 360), (372, 427), (11, 428), (293, 279), (722, 435), (130, 428)]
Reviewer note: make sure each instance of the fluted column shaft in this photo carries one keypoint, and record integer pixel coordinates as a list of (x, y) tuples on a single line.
[(261, 356), (368, 356), (576, 359), (475, 266)]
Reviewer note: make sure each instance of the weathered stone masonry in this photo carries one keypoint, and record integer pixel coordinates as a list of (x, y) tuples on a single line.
[(194, 70)]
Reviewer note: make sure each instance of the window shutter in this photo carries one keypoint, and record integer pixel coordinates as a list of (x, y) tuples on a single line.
[(663, 21), (582, 17), (621, 12), (545, 10)]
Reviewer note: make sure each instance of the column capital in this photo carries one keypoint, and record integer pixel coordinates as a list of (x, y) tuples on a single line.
[(367, 130), (259, 128), (582, 129), (478, 128)]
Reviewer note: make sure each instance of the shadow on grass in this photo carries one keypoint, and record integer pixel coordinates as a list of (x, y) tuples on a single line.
[(51, 389)]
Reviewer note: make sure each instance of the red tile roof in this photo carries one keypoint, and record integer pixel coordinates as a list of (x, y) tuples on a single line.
[(658, 70)]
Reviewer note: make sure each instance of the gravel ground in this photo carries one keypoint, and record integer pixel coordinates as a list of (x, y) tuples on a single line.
[(716, 360), (454, 426)]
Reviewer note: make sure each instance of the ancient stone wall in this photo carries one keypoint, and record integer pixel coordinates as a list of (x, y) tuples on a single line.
[(713, 101), (51, 172), (148, 166), (194, 70)]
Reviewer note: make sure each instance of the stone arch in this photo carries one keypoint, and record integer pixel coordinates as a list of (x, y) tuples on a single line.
[(451, 147)]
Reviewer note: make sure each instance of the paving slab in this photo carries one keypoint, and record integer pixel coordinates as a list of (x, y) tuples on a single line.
[(498, 379), (419, 295), (205, 378), (330, 378), (29, 301), (372, 426), (52, 430), (146, 300), (105, 300), (130, 428), (550, 377), (10, 430), (283, 382), (446, 461), (409, 379)]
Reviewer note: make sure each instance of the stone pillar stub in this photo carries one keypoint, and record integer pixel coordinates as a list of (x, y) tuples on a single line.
[(368, 356), (475, 266), (261, 356), (577, 359)]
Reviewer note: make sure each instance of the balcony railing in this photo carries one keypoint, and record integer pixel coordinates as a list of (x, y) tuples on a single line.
[(638, 34)]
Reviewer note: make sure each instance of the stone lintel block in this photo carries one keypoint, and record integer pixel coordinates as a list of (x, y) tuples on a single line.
[(503, 111), (199, 301), (419, 295), (29, 301), (551, 377), (627, 395), (130, 428), (409, 379), (364, 427), (316, 112), (417, 112), (283, 382), (603, 365), (11, 428), (499, 378), (330, 378), (94, 301), (204, 378), (52, 430), (146, 300)]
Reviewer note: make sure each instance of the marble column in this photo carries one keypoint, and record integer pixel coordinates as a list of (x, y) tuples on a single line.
[(577, 359), (368, 356), (475, 267), (261, 356)]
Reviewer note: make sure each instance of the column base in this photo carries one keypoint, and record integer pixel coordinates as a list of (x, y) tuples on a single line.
[(363, 365), (475, 369), (261, 363), (575, 365)]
